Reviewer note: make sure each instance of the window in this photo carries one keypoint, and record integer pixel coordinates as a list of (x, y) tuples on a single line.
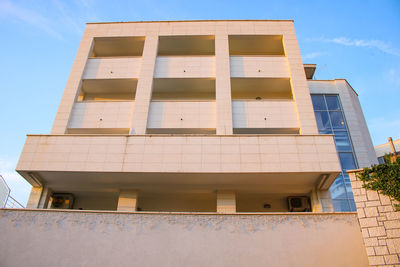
[(331, 120)]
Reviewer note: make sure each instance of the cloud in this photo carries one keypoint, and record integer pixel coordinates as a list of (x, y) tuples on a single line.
[(27, 16), (385, 47), (20, 188), (313, 55)]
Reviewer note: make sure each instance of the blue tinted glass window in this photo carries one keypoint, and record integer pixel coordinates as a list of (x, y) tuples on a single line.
[(318, 102), (337, 120), (352, 205), (347, 184), (342, 141), (333, 102), (341, 205), (337, 189), (347, 161), (322, 121)]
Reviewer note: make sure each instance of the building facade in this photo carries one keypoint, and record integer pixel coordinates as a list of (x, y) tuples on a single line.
[(200, 116), (385, 149)]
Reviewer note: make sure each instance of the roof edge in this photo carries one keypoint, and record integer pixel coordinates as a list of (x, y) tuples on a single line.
[(205, 20), (334, 80)]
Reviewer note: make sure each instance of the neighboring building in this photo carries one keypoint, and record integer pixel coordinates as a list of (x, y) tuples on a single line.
[(4, 192), (386, 148), (214, 121)]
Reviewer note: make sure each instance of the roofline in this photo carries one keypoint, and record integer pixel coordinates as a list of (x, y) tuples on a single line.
[(206, 20), (334, 80), (387, 143)]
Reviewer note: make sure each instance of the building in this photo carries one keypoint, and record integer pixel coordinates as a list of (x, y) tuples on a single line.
[(386, 148), (215, 118)]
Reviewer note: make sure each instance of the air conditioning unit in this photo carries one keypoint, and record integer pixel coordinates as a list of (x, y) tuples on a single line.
[(61, 201), (299, 204)]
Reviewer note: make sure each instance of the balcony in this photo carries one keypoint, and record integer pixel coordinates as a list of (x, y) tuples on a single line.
[(112, 68), (259, 66), (185, 67), (184, 106)]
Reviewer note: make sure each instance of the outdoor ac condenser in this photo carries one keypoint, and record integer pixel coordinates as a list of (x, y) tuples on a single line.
[(299, 204), (61, 201)]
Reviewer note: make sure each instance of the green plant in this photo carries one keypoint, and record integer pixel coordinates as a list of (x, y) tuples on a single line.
[(384, 178)]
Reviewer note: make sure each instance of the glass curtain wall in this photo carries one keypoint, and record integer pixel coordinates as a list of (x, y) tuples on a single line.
[(331, 120)]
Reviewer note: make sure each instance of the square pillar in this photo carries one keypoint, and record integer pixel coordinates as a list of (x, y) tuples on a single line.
[(226, 202), (39, 198), (223, 97), (144, 86), (127, 200), (325, 200), (316, 205)]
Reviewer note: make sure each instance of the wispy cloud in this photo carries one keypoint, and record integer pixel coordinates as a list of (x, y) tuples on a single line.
[(393, 76), (383, 46), (27, 16), (313, 55)]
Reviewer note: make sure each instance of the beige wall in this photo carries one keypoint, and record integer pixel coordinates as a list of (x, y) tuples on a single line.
[(264, 114), (112, 68), (185, 67), (122, 153), (55, 238), (101, 115), (176, 114), (259, 66)]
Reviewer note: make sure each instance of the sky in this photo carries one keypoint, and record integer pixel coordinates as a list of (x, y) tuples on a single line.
[(358, 40)]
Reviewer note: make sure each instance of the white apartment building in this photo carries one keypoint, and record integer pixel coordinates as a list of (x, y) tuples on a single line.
[(205, 116), (193, 143)]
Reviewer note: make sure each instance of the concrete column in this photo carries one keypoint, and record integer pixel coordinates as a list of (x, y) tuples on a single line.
[(315, 201), (39, 198), (127, 200), (325, 200), (34, 198), (144, 85), (226, 201), (301, 93), (223, 84)]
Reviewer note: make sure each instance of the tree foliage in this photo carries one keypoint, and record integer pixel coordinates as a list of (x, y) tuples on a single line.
[(384, 178)]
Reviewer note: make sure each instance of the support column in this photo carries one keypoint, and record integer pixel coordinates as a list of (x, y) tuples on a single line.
[(127, 200), (315, 201), (226, 202), (34, 198), (144, 86), (223, 84), (39, 198), (325, 200)]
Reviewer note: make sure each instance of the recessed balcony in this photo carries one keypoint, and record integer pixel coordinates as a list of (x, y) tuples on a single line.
[(118, 47), (188, 45), (256, 45)]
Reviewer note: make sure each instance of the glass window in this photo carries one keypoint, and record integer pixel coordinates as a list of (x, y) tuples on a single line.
[(322, 120), (342, 141), (347, 161), (333, 102), (337, 120), (318, 102), (337, 189), (341, 205), (352, 205)]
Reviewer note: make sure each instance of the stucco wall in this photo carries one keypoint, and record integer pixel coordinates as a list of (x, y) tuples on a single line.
[(56, 238)]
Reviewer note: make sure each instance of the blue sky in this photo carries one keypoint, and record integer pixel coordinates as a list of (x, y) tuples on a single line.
[(355, 39)]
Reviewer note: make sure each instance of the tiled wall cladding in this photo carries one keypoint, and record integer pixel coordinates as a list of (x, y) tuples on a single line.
[(101, 115), (185, 67), (264, 114), (131, 153), (259, 66), (175, 114), (102, 68)]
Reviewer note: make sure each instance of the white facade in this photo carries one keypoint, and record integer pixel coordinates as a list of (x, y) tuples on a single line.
[(190, 112)]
